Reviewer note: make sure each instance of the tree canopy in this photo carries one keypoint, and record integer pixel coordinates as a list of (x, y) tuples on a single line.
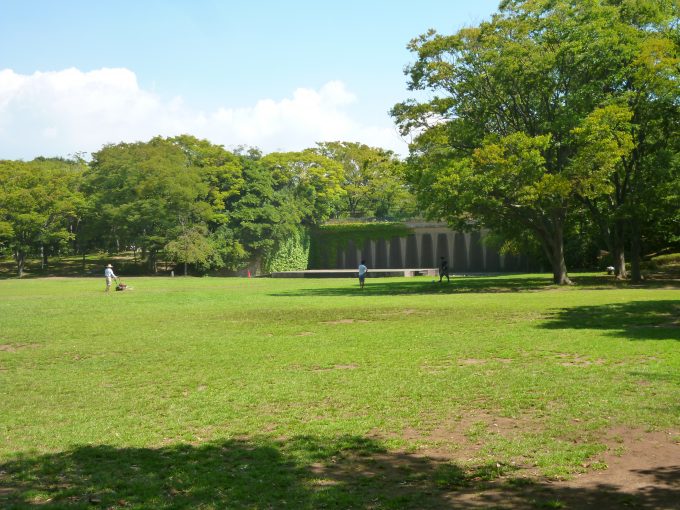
[(40, 206), (546, 104), (184, 198)]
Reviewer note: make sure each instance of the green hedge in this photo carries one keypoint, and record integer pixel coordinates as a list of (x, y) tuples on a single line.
[(670, 261), (291, 255), (326, 240)]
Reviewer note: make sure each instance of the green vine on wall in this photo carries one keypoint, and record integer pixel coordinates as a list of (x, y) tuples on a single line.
[(327, 240), (292, 254)]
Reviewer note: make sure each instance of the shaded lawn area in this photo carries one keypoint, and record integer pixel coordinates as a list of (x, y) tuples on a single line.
[(303, 472), (501, 283), (259, 393), (633, 320)]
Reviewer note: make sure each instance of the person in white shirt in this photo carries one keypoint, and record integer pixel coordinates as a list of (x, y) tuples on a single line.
[(108, 273), (362, 273)]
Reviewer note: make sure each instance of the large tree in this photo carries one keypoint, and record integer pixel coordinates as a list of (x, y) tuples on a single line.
[(40, 204), (372, 179), (143, 192), (191, 245), (499, 143), (310, 181), (637, 201), (215, 244)]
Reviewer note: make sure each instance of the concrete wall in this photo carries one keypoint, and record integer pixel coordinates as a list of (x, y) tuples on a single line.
[(465, 251)]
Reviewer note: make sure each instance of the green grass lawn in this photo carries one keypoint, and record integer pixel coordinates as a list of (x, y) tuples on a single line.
[(259, 393)]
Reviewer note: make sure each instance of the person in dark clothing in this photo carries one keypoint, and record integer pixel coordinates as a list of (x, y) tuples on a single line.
[(444, 270)]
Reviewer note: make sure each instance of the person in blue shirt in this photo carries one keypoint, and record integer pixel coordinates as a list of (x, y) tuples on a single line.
[(108, 273), (362, 273)]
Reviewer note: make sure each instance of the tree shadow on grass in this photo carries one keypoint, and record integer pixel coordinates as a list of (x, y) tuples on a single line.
[(466, 284), (634, 320), (418, 285), (302, 472), (67, 267)]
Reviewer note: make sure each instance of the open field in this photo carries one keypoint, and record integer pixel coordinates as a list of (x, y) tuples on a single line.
[(260, 393)]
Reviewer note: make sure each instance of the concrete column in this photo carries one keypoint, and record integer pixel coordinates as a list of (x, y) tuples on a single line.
[(476, 252), (396, 255), (351, 255), (460, 258), (381, 259), (367, 253), (452, 239), (411, 251), (427, 251), (340, 259)]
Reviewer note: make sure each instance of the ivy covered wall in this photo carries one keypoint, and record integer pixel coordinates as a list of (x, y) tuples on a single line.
[(327, 240), (292, 254)]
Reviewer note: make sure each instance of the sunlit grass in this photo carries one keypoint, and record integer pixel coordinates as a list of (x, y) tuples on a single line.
[(502, 373)]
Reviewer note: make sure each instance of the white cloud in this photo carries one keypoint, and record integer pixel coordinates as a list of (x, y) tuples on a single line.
[(63, 112)]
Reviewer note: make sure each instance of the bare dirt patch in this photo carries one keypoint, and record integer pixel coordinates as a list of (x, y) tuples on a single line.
[(409, 311), (350, 366), (17, 347), (471, 361), (574, 360), (443, 365), (643, 472), (642, 465), (460, 438), (405, 312), (346, 321), (639, 470)]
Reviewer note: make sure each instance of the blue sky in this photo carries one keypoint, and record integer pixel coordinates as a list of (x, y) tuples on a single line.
[(279, 75)]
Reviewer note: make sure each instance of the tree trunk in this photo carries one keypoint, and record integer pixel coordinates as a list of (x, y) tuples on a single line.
[(20, 258), (185, 269), (635, 255), (619, 252), (45, 257), (559, 265), (553, 246), (152, 261), (619, 261)]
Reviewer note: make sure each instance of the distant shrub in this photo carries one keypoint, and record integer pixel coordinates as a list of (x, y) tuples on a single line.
[(670, 259), (130, 268)]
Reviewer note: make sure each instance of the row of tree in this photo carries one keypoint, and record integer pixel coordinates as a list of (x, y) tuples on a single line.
[(555, 119), (193, 201)]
